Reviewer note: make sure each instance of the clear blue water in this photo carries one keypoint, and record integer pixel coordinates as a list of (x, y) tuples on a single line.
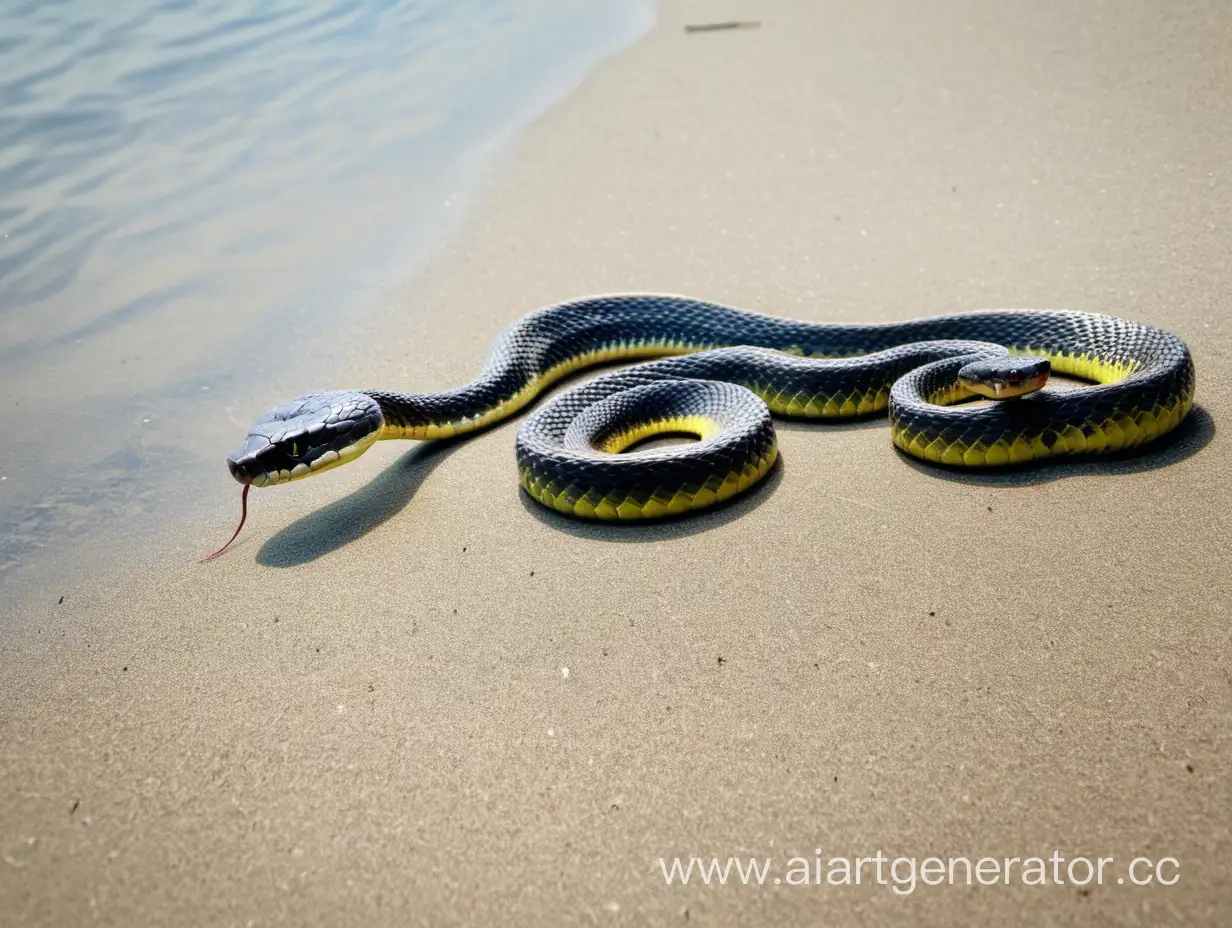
[(177, 175)]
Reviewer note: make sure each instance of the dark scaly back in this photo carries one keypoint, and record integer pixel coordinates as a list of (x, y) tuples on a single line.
[(1157, 364)]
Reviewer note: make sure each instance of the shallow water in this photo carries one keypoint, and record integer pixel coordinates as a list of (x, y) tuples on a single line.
[(177, 179)]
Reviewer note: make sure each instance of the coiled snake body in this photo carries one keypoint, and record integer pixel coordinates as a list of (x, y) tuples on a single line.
[(729, 371)]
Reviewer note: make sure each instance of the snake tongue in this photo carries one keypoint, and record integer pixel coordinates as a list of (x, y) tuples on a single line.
[(243, 517)]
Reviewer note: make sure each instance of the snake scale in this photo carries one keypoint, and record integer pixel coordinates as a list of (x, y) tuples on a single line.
[(723, 372)]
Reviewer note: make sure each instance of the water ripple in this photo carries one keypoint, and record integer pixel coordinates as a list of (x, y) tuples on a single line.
[(120, 124), (178, 174)]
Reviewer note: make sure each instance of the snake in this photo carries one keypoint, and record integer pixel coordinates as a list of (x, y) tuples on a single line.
[(722, 373)]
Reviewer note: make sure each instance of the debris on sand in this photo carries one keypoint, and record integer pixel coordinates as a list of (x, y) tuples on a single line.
[(715, 27)]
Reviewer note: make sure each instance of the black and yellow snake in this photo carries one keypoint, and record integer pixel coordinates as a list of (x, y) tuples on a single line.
[(732, 370)]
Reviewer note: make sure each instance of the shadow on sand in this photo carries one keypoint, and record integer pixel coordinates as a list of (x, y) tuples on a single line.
[(354, 516)]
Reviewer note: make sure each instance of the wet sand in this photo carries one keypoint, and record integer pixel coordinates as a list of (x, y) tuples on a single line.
[(220, 205), (410, 696)]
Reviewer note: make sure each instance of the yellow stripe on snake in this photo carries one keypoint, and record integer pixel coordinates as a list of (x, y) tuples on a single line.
[(724, 372)]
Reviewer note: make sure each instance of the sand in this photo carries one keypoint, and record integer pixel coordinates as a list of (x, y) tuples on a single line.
[(409, 696)]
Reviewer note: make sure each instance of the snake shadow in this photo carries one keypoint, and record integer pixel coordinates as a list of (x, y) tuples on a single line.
[(1186, 440), (350, 518)]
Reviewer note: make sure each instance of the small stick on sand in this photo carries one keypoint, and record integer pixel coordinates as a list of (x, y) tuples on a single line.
[(715, 27)]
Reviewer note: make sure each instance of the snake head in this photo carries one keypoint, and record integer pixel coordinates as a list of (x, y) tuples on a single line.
[(1004, 377), (306, 436)]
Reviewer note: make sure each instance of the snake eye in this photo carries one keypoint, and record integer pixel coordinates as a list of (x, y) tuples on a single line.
[(1015, 378), (333, 428)]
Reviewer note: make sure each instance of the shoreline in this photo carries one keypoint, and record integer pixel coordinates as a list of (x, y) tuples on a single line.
[(410, 693), (144, 419)]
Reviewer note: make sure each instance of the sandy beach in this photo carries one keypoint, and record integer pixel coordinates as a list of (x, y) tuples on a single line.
[(411, 696)]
